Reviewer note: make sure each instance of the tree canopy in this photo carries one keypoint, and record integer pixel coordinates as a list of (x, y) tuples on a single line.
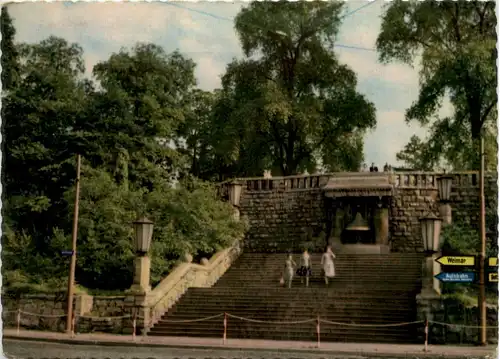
[(124, 124), (456, 41), (290, 105)]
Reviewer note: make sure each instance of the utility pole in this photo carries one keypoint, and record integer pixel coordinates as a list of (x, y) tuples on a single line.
[(482, 253), (71, 278)]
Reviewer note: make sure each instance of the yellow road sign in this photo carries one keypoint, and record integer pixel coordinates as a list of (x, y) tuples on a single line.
[(456, 260), (493, 277), (493, 262)]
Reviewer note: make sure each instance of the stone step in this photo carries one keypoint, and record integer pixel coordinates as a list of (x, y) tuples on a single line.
[(320, 293), (369, 317), (289, 324), (304, 312), (347, 335), (238, 299), (332, 285)]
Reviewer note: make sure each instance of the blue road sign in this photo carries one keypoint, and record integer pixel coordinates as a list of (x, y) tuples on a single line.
[(67, 253), (458, 277)]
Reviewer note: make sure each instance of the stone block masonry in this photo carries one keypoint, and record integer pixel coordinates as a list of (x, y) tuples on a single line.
[(283, 212)]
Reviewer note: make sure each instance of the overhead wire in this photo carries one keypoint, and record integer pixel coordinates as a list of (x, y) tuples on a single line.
[(206, 13)]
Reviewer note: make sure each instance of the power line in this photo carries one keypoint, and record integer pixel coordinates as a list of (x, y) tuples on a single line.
[(232, 19), (359, 8)]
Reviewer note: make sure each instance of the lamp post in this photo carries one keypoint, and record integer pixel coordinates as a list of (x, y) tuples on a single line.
[(72, 268), (142, 264), (444, 184), (431, 231), (234, 197)]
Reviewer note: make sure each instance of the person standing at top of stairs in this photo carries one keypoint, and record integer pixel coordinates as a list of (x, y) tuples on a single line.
[(289, 270), (327, 263), (305, 267)]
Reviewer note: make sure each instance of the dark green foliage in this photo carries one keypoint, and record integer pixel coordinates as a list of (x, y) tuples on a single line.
[(10, 54), (296, 107), (123, 129), (457, 42)]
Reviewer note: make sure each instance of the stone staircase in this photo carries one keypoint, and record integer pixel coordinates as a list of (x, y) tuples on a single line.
[(368, 290)]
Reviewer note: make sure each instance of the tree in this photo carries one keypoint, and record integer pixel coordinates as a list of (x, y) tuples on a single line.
[(134, 118), (295, 107), (457, 44), (123, 131), (194, 134), (10, 55), (38, 114), (417, 155)]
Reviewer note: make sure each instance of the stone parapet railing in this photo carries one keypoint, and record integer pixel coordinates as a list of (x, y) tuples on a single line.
[(183, 277), (417, 180)]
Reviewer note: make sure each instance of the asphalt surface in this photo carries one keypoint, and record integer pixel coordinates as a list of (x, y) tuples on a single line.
[(20, 349)]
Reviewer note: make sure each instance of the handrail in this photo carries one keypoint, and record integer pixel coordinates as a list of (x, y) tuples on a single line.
[(347, 174), (180, 278)]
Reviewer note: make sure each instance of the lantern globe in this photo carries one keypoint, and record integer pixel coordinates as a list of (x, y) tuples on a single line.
[(143, 234), (431, 233), (235, 193), (444, 184)]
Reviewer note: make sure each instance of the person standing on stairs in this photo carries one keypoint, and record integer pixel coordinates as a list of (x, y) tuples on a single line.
[(305, 267), (327, 263), (289, 270)]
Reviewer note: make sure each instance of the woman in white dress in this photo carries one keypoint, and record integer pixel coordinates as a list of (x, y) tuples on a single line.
[(305, 267), (289, 270), (327, 263)]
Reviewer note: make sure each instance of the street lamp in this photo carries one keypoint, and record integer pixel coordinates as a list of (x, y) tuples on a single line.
[(444, 184), (235, 193), (142, 264), (234, 198), (143, 234), (431, 230)]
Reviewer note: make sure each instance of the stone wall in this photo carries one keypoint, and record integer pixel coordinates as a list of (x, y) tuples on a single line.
[(462, 322), (114, 314), (284, 211), (48, 312)]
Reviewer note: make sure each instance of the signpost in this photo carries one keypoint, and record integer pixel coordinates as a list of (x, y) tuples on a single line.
[(458, 277), (493, 262), (493, 277), (457, 260), (67, 253)]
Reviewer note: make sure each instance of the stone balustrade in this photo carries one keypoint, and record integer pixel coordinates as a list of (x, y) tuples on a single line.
[(417, 180), (183, 277)]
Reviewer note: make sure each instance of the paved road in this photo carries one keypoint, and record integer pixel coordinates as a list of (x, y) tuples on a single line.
[(19, 349)]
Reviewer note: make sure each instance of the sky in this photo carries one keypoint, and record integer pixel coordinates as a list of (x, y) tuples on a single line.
[(204, 31)]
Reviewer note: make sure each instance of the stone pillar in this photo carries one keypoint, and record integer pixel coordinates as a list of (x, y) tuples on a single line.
[(429, 304), (382, 226), (445, 212), (142, 268), (236, 213), (338, 226), (136, 305)]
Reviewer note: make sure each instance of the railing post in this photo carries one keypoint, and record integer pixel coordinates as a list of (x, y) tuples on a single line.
[(224, 336), (426, 335), (73, 322), (134, 325), (318, 331), (18, 320)]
